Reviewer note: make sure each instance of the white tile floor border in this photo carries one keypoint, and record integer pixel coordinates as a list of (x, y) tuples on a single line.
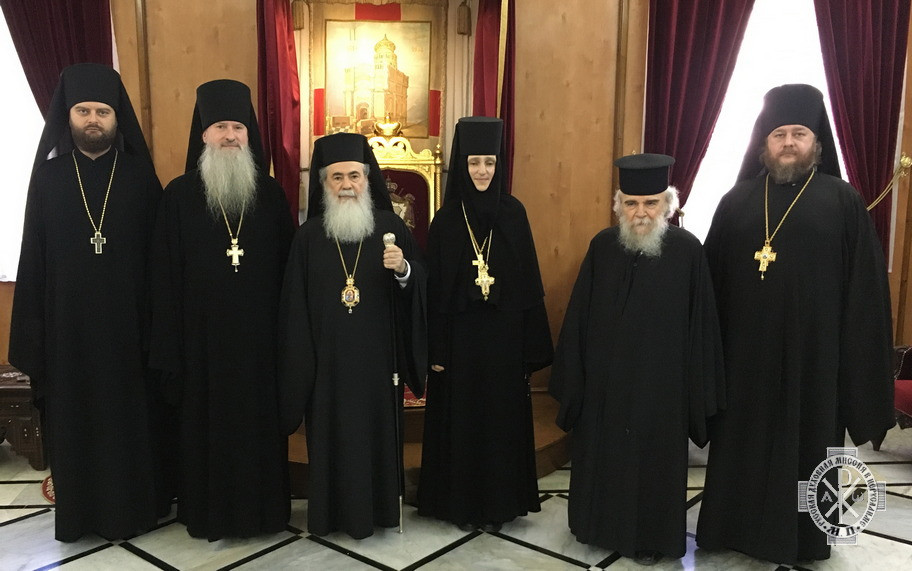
[(537, 541)]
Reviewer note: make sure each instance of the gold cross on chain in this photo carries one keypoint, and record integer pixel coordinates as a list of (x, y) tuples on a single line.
[(765, 255), (484, 281)]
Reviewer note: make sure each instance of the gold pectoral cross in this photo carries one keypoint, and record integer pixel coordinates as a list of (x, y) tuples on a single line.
[(765, 255), (98, 240), (484, 281), (235, 254)]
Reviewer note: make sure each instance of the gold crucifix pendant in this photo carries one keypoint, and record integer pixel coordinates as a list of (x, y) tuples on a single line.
[(235, 254), (484, 281), (350, 294), (765, 255)]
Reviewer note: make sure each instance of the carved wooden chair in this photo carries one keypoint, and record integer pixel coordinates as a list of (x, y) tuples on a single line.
[(412, 177)]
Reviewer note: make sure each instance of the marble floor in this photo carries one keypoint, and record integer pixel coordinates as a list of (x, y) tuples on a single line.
[(538, 541)]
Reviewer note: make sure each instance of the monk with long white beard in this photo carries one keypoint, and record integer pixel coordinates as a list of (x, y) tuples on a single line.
[(222, 240), (638, 370), (351, 325), (229, 177)]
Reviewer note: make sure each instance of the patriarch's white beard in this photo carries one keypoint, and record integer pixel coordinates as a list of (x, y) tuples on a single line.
[(348, 220)]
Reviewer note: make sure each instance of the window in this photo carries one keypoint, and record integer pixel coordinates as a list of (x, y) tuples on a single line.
[(22, 129)]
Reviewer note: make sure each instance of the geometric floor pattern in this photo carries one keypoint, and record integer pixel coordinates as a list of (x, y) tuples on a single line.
[(539, 541)]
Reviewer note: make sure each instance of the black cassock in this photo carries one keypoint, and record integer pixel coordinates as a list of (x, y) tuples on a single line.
[(336, 371), (807, 356), (478, 456), (638, 369), (214, 335), (80, 330)]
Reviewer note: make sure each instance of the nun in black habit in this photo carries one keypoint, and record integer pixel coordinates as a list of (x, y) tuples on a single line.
[(488, 331), (80, 320)]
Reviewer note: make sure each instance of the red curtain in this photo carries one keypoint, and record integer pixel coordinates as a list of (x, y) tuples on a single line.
[(864, 55), (279, 98), (50, 35), (486, 68), (693, 47), (487, 48)]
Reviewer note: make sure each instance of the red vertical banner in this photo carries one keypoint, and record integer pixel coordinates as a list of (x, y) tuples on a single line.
[(434, 98), (319, 111), (386, 12)]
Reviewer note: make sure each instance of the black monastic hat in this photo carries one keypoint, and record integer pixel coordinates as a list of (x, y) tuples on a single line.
[(480, 135), (89, 82), (223, 100), (644, 174), (477, 136), (343, 147), (791, 104)]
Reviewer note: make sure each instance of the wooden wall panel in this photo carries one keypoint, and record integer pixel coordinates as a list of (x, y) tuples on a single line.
[(566, 64), (899, 276), (635, 84), (902, 232), (123, 14), (191, 43)]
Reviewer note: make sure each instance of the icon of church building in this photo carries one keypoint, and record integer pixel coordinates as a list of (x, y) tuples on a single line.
[(373, 91)]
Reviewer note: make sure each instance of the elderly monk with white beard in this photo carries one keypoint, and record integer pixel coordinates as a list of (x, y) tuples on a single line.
[(353, 314), (804, 306), (222, 239), (638, 369)]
